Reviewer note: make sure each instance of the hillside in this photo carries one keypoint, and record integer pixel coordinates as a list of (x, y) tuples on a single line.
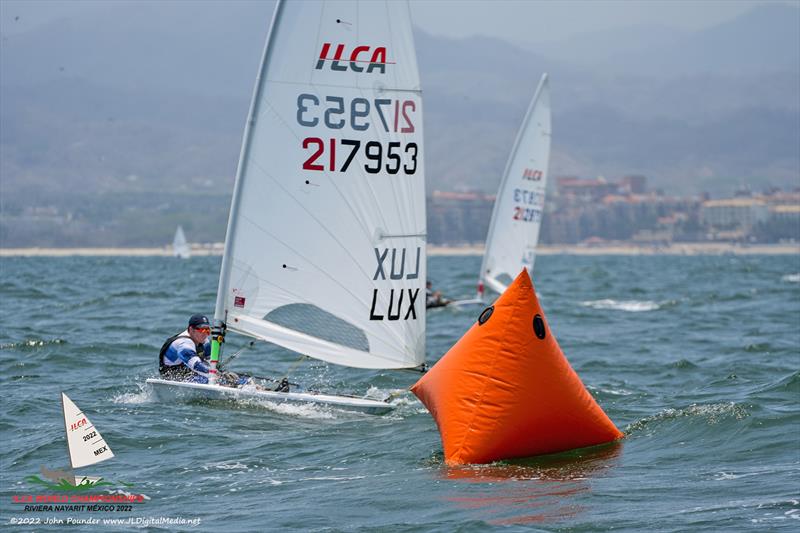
[(149, 101)]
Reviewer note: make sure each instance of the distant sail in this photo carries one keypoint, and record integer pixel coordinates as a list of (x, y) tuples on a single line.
[(86, 445), (180, 248), (517, 215)]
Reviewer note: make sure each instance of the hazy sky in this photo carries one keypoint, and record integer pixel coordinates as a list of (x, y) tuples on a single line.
[(519, 21), (551, 20)]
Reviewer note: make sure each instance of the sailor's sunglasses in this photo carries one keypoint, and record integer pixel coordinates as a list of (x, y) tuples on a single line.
[(204, 329)]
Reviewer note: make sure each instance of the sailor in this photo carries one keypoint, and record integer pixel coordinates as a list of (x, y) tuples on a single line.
[(433, 298), (183, 356)]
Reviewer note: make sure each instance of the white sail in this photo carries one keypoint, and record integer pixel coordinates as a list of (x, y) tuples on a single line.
[(180, 248), (325, 247), (86, 445), (517, 215)]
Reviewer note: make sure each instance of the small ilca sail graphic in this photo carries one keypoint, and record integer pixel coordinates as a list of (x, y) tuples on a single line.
[(86, 446), (517, 215), (180, 248)]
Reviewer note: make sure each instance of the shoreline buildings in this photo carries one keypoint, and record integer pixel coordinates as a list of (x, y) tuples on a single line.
[(595, 211)]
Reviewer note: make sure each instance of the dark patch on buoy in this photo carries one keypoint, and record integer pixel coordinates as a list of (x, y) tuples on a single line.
[(486, 315), (538, 327), (284, 266)]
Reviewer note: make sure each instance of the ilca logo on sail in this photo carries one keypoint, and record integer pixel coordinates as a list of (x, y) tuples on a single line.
[(377, 58)]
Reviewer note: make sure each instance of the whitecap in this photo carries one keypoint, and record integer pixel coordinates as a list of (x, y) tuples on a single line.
[(712, 413), (227, 466), (144, 395), (615, 392), (632, 306), (375, 393), (332, 478), (307, 410), (791, 278)]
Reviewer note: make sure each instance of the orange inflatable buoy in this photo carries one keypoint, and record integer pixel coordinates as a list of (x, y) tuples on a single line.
[(505, 389)]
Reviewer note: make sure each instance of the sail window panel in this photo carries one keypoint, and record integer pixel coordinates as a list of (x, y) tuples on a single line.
[(316, 322)]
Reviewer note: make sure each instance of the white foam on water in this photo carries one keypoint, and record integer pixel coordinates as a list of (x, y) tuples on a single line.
[(725, 476), (332, 478), (307, 410), (615, 392), (144, 395), (631, 306), (227, 466), (375, 393), (791, 278), (712, 413)]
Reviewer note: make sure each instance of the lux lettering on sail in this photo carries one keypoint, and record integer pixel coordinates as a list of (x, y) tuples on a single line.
[(396, 271), (376, 62)]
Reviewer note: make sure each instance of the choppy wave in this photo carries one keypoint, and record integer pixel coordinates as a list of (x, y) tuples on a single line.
[(789, 383), (144, 395), (686, 333), (236, 465), (772, 509), (712, 413), (310, 410), (632, 306), (31, 344)]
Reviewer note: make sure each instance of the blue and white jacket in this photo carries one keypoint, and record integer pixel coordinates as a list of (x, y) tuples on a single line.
[(182, 354)]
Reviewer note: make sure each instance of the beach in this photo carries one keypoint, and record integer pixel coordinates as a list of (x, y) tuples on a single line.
[(550, 249)]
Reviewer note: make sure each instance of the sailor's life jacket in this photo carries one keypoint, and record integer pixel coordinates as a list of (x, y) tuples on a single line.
[(178, 372)]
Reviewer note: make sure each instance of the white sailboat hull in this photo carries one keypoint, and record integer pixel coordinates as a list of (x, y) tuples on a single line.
[(167, 390), (467, 303)]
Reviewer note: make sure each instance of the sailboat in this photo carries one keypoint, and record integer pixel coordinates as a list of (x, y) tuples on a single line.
[(517, 214), (85, 444), (325, 251), (180, 248)]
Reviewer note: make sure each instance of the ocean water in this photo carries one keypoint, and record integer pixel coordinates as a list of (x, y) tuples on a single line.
[(696, 359)]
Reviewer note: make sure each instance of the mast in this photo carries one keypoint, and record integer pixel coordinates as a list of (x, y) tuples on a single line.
[(218, 335), (219, 311)]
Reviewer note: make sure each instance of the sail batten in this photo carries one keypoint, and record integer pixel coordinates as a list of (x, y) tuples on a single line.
[(516, 218), (328, 213)]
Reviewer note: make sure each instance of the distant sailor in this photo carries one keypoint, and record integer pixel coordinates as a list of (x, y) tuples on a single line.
[(433, 298), (183, 356)]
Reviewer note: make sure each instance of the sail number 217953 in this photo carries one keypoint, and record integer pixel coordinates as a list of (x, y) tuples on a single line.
[(393, 157), (381, 115)]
